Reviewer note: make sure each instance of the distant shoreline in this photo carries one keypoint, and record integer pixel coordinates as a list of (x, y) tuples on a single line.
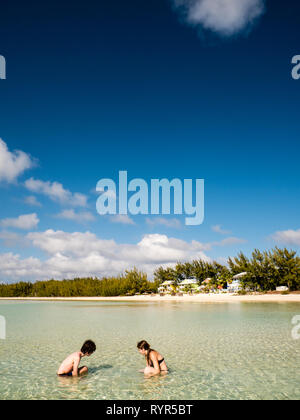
[(202, 298)]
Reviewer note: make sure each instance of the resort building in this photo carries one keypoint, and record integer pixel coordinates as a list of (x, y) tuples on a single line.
[(235, 286), (167, 286), (191, 283), (282, 289)]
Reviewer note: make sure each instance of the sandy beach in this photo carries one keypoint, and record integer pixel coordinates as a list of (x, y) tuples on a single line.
[(202, 298)]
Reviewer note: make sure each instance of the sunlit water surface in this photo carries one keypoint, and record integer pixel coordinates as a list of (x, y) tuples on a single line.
[(214, 351)]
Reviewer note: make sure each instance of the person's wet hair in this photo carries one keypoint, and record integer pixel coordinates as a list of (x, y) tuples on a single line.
[(88, 347), (143, 345)]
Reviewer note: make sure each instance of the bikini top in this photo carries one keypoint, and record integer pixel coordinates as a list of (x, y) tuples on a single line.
[(160, 362)]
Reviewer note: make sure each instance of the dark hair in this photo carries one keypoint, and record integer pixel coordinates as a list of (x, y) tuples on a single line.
[(88, 347), (143, 345)]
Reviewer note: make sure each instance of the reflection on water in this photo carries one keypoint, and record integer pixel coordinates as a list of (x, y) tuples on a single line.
[(214, 351)]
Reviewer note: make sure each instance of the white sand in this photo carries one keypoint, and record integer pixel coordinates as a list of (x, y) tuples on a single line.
[(201, 298)]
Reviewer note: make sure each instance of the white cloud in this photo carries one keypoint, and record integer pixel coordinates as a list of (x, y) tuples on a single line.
[(288, 237), (56, 192), (71, 244), (31, 200), (162, 249), (14, 268), (80, 217), (225, 17), (218, 229), (11, 239), (170, 223), (122, 218), (69, 255), (13, 164), (25, 222), (78, 254)]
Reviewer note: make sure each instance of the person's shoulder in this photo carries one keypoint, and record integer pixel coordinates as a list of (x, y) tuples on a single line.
[(154, 354), (76, 355)]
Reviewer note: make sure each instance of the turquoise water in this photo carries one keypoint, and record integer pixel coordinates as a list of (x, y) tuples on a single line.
[(214, 351)]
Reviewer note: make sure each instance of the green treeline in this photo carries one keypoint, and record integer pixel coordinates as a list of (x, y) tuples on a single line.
[(265, 271), (130, 283)]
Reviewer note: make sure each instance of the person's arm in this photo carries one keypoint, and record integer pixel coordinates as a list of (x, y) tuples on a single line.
[(146, 368), (76, 366), (156, 368)]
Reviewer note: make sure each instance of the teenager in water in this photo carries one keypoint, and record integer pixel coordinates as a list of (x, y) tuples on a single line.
[(155, 362), (70, 366)]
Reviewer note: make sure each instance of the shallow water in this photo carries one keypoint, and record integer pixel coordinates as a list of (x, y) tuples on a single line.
[(214, 351)]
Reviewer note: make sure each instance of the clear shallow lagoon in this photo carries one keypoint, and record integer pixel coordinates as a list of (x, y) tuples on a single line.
[(214, 351)]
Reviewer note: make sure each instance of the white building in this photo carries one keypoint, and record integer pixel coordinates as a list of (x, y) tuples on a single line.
[(193, 282), (282, 289), (235, 286), (166, 286)]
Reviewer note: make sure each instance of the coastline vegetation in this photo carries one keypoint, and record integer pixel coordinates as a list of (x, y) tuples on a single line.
[(130, 283), (265, 271)]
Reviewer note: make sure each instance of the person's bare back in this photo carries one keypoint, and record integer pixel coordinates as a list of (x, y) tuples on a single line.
[(70, 366)]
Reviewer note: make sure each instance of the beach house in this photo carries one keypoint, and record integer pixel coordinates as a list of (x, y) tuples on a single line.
[(236, 285), (282, 289), (190, 283), (167, 287)]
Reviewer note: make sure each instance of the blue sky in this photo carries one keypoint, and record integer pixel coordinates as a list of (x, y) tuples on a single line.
[(162, 92)]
